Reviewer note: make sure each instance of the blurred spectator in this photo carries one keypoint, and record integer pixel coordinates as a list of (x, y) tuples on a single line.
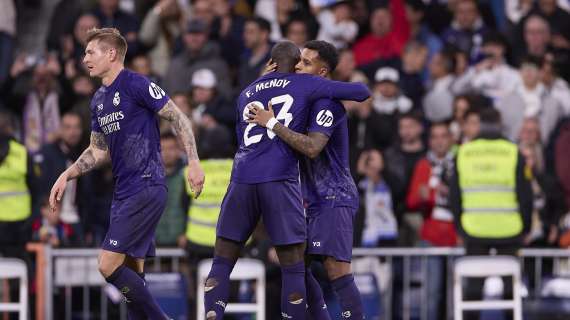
[(55, 158), (50, 229), (413, 67), (536, 38), (214, 116), (110, 15), (471, 124), (296, 30), (460, 106), (346, 68), (387, 98), (78, 99), (63, 18), (428, 190), (438, 101), (143, 64), (203, 10), (558, 20), (41, 112), (18, 183), (549, 205), (380, 225), (7, 40), (467, 29), (490, 160), (402, 156), (419, 31), (198, 53), (73, 45), (491, 76), (228, 29), (389, 32), (336, 24), (555, 87), (367, 129), (256, 40), (159, 29), (429, 193), (170, 231), (529, 100), (279, 13)]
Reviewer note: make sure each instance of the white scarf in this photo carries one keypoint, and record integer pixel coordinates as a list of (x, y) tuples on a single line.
[(532, 99), (40, 120)]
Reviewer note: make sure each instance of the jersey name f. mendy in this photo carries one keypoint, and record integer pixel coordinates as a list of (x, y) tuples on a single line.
[(262, 156), (126, 113), (326, 181)]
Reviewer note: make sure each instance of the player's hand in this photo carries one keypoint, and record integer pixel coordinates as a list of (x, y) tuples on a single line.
[(259, 115), (57, 191), (195, 177), (270, 66)]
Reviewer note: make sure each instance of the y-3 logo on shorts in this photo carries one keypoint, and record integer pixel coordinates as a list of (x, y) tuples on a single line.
[(114, 243), (221, 304), (346, 314), (285, 316), (316, 243)]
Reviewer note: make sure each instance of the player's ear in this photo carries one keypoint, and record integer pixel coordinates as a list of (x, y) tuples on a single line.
[(112, 54)]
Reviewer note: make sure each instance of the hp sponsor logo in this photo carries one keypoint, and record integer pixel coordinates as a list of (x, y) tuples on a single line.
[(156, 91), (325, 118)]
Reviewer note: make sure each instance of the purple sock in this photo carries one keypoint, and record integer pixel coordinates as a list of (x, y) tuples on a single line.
[(293, 293), (135, 291), (216, 296), (349, 297), (317, 306), (135, 312)]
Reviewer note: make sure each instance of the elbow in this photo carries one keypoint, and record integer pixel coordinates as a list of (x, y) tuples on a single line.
[(313, 153)]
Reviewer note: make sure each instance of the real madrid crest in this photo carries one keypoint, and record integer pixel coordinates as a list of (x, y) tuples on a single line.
[(116, 99)]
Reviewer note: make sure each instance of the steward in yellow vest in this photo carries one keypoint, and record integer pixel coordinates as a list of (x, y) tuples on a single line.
[(491, 198), (15, 197), (490, 194)]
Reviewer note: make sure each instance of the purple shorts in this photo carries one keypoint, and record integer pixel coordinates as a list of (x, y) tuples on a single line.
[(278, 203), (330, 232), (133, 222)]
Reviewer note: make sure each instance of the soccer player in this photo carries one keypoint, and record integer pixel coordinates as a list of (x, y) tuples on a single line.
[(124, 130), (328, 187), (265, 180)]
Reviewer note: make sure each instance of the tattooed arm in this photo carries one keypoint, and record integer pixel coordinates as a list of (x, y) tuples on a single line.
[(183, 128), (310, 145), (95, 155)]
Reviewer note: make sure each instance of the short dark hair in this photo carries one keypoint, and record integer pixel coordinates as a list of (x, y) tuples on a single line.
[(416, 5), (111, 37), (490, 116), (414, 115), (449, 59), (532, 60), (261, 23), (442, 123), (73, 113), (327, 52), (286, 55)]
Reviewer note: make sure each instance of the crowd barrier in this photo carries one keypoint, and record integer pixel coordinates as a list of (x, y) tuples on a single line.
[(75, 272)]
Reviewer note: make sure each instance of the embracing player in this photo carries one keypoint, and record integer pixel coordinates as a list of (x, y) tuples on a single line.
[(265, 180), (328, 187), (124, 130)]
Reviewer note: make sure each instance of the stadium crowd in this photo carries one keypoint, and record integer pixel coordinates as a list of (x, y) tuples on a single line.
[(433, 67)]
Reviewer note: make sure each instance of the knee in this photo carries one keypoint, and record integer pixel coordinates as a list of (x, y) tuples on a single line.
[(336, 269), (106, 269), (210, 284)]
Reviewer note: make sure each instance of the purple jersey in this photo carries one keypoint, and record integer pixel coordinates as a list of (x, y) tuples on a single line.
[(262, 156), (125, 112), (326, 180)]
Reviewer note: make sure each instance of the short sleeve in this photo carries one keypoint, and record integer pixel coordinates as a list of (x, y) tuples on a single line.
[(94, 122), (325, 115), (148, 94)]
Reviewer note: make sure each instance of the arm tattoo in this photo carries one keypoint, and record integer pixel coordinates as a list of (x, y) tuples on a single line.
[(309, 145), (95, 155), (182, 127)]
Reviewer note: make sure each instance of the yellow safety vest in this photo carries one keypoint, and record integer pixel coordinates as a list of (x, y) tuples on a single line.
[(487, 178), (15, 200), (204, 211)]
